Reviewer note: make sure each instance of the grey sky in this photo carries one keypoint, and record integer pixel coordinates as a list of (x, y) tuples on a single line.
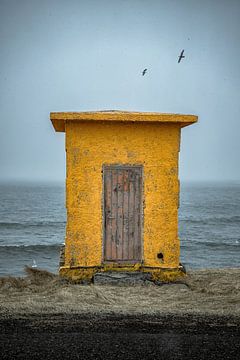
[(78, 55)]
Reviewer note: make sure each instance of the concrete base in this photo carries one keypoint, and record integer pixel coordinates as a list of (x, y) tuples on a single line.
[(137, 271), (121, 278)]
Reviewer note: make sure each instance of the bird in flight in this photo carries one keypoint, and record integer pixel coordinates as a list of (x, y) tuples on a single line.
[(181, 56), (144, 72)]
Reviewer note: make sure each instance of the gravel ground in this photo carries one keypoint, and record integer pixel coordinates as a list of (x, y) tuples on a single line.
[(89, 336)]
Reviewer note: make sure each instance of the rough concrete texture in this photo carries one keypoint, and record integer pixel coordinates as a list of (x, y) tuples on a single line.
[(89, 146), (150, 140)]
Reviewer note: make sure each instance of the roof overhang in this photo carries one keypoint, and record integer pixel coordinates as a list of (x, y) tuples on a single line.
[(60, 118)]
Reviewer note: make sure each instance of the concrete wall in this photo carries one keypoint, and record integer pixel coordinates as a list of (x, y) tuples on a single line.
[(89, 145)]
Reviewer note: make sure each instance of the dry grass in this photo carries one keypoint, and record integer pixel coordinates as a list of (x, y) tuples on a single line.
[(36, 280), (202, 292)]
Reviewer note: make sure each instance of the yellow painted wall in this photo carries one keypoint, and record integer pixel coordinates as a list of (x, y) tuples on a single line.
[(89, 145)]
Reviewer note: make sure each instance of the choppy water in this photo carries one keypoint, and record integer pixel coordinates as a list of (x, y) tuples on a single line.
[(32, 226)]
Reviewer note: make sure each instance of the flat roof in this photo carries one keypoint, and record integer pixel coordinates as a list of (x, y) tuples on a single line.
[(60, 118)]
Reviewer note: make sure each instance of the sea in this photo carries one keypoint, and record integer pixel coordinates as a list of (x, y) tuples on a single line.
[(33, 219)]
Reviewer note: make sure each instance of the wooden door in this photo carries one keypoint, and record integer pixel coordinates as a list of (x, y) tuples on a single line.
[(122, 213)]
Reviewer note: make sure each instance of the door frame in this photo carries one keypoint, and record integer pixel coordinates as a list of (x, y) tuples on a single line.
[(123, 166)]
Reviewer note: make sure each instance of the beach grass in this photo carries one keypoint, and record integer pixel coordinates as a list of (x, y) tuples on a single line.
[(209, 291)]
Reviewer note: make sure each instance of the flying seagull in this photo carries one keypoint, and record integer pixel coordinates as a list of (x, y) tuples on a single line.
[(144, 72), (181, 56)]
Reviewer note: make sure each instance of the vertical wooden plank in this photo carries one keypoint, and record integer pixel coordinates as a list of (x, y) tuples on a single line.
[(120, 215), (135, 216), (137, 206), (125, 214), (114, 214), (108, 214), (131, 228)]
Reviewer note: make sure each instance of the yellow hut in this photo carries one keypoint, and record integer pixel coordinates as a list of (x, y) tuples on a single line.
[(122, 192)]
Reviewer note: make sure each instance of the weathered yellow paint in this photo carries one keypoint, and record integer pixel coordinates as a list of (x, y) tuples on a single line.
[(103, 138), (59, 118)]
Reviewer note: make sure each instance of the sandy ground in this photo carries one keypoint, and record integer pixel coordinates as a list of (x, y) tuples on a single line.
[(43, 316), (202, 292)]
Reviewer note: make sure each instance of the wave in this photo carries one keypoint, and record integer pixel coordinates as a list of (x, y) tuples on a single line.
[(31, 247), (208, 244), (31, 224), (212, 220), (185, 245)]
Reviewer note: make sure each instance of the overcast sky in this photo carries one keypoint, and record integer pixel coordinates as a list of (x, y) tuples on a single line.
[(73, 55)]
